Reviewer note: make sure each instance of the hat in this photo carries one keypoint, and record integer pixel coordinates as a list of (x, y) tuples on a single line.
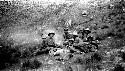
[(71, 39), (87, 31), (51, 33), (75, 35), (65, 29), (80, 31)]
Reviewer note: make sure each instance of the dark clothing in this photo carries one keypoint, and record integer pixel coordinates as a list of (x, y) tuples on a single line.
[(90, 39), (95, 44), (81, 48), (85, 48), (67, 36), (49, 42)]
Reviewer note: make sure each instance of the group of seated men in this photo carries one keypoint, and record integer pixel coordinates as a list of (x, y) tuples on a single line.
[(81, 41)]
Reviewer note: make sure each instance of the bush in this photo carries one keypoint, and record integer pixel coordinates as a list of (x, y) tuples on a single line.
[(118, 68), (97, 57), (8, 56), (31, 64)]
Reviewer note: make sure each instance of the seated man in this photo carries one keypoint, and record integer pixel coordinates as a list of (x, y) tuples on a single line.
[(91, 41), (80, 34), (47, 44), (67, 35), (78, 41), (83, 33), (50, 40), (86, 32)]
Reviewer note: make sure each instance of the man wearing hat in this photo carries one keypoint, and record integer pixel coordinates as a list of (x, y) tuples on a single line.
[(51, 35), (93, 42), (85, 33), (67, 35), (50, 40), (75, 37)]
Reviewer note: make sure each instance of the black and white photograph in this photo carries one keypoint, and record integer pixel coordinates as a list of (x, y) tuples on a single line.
[(62, 35)]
